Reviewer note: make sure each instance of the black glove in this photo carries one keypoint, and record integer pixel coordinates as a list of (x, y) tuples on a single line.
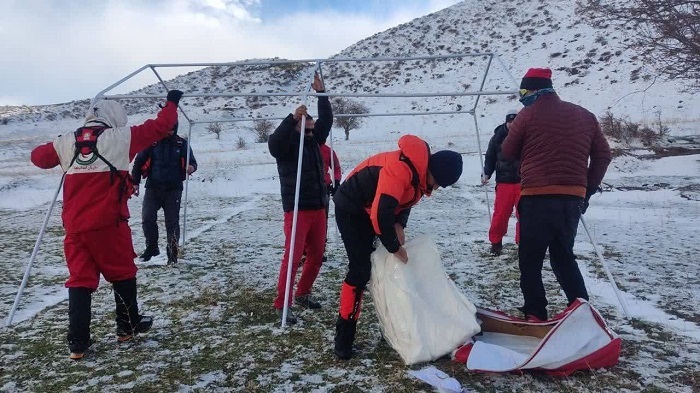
[(590, 191), (174, 96), (331, 190)]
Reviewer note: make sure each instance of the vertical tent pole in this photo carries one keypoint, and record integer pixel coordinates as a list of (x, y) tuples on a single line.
[(25, 278), (478, 138), (292, 240), (606, 268), (187, 183)]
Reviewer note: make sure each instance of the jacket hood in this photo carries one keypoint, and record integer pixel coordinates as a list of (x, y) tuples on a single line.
[(108, 112), (418, 151)]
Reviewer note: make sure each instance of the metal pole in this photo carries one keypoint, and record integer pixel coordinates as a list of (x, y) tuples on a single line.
[(606, 268), (478, 138), (481, 160), (187, 184), (310, 61), (353, 95), (25, 278)]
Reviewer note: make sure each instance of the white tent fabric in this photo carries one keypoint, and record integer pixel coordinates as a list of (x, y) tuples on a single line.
[(576, 339), (422, 314)]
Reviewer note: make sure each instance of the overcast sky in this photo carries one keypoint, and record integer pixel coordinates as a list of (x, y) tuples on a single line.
[(55, 51)]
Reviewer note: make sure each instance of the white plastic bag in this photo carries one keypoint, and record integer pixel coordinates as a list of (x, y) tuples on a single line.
[(422, 314)]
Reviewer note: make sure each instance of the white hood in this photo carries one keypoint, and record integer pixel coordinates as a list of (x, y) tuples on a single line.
[(108, 112)]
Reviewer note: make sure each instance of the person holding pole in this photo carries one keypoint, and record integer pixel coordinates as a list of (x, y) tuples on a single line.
[(95, 160), (554, 141), (374, 201), (507, 186), (313, 198), (165, 166)]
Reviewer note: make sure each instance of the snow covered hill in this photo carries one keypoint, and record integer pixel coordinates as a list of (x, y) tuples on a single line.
[(590, 67)]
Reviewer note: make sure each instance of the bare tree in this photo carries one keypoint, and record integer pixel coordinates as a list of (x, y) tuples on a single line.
[(342, 105), (215, 128), (666, 33), (262, 129)]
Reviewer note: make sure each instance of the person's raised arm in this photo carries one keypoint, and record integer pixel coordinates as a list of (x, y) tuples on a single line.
[(325, 112), (153, 130)]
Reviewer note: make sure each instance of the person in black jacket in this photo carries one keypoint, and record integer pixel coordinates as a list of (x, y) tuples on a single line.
[(313, 197), (165, 166), (507, 186)]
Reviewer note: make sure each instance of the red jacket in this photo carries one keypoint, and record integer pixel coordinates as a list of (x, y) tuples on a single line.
[(92, 197), (553, 140), (326, 155), (386, 186)]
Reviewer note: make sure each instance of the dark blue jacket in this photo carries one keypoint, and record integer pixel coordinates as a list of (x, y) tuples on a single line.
[(168, 159), (507, 171), (284, 146)]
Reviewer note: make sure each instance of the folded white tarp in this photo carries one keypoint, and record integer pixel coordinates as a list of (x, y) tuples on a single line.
[(422, 314)]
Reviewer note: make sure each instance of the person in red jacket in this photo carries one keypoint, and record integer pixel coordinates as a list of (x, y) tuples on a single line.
[(507, 186), (375, 200), (554, 141), (334, 173), (95, 160), (326, 154)]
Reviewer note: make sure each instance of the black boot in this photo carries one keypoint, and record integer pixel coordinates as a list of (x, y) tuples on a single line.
[(79, 302), (344, 337), (149, 253), (129, 322)]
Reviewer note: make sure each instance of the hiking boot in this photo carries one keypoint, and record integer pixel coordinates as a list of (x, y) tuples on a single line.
[(171, 250), (496, 249), (78, 349), (307, 301), (291, 319), (126, 332), (344, 337), (149, 253)]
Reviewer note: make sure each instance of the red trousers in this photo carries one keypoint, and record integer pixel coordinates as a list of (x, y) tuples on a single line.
[(507, 197), (108, 251), (311, 233)]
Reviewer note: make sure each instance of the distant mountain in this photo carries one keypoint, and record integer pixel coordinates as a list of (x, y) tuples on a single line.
[(590, 68)]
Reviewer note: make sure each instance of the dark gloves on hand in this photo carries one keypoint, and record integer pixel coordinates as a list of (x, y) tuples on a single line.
[(589, 193), (174, 96), (331, 189)]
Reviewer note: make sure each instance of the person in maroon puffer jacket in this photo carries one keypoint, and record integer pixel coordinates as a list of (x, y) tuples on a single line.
[(554, 140)]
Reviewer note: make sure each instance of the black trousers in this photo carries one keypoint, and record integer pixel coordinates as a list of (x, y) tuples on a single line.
[(358, 237), (548, 222), (157, 198)]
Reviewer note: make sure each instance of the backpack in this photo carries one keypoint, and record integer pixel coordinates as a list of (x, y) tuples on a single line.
[(86, 145)]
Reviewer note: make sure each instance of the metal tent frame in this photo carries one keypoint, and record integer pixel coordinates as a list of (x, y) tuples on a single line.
[(490, 58)]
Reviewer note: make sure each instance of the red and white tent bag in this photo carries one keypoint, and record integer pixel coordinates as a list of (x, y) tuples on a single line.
[(576, 339), (422, 314)]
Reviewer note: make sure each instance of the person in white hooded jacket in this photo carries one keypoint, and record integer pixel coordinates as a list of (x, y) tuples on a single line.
[(95, 161)]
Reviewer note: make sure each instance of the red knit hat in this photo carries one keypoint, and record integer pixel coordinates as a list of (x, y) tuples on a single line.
[(537, 78)]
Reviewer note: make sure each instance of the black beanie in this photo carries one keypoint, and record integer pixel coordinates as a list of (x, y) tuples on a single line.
[(536, 79), (446, 167)]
